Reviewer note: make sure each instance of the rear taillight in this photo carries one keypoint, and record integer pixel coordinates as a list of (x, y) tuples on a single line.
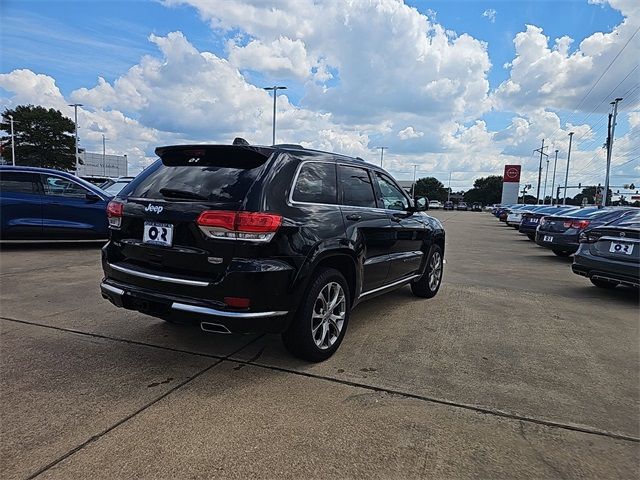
[(579, 224), (251, 226), (114, 214), (543, 221), (589, 237)]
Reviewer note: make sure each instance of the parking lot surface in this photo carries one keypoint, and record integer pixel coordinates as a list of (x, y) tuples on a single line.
[(517, 369)]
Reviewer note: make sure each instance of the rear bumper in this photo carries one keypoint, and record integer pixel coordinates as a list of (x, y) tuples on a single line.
[(563, 243), (589, 266), (189, 310)]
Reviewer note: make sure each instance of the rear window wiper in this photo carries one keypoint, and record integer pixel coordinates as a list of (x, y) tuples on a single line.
[(175, 193)]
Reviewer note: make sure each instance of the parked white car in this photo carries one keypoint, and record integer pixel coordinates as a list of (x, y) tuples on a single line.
[(514, 218), (435, 205)]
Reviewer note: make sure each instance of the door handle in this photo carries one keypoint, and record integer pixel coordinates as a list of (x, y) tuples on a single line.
[(354, 216)]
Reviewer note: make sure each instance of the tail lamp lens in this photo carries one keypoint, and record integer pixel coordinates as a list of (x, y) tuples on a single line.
[(114, 214), (578, 224), (252, 226)]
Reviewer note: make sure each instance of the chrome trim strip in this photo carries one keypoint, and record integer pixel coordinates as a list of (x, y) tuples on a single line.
[(619, 239), (184, 307), (112, 289), (159, 278), (398, 282)]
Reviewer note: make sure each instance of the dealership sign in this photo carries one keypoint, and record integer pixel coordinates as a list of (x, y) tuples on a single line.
[(510, 184), (512, 173)]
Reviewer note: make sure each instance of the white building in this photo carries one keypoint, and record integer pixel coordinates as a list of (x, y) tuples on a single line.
[(98, 165)]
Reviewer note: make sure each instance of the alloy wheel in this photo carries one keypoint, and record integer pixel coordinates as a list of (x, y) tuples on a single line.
[(435, 270), (329, 312)]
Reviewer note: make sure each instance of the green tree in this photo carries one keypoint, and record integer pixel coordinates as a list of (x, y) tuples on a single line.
[(430, 187), (486, 190), (43, 137)]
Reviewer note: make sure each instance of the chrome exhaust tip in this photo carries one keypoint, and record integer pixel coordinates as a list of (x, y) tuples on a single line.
[(214, 327)]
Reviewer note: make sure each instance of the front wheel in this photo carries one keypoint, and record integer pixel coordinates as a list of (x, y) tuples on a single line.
[(429, 283), (321, 320)]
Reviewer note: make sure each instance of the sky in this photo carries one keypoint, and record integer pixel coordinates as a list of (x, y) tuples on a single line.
[(456, 88)]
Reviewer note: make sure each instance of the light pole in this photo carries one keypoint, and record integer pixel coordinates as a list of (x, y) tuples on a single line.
[(275, 89), (75, 112), (13, 142), (382, 149), (104, 162), (609, 150), (546, 175), (553, 182), (566, 175), (449, 189), (413, 185)]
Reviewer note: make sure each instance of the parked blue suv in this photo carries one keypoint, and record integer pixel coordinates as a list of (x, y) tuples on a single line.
[(40, 204)]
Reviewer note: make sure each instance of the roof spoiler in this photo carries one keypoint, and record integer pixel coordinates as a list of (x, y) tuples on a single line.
[(238, 156)]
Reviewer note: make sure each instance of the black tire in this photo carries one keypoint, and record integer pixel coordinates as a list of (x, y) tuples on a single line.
[(425, 286), (603, 284), (561, 253), (532, 236), (299, 338)]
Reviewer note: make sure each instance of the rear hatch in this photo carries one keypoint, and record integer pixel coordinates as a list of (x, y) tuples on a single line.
[(619, 243), (159, 231)]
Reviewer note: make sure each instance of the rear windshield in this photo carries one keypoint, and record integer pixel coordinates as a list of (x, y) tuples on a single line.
[(629, 220), (592, 212), (209, 183)]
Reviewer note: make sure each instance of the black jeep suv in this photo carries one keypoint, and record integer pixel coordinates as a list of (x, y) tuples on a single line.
[(241, 238)]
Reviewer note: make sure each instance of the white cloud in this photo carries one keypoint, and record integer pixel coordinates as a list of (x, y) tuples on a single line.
[(490, 14), (409, 133)]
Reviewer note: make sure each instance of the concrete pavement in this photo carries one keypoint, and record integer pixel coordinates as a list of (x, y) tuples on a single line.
[(518, 368)]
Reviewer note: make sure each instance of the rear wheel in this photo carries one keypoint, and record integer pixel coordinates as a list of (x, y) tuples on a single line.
[(532, 236), (321, 320), (603, 283), (429, 283), (561, 253)]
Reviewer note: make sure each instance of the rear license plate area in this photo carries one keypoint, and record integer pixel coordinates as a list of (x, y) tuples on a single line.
[(621, 248), (158, 234)]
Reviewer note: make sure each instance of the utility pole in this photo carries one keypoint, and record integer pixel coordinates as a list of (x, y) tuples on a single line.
[(13, 142), (275, 95), (611, 132), (382, 149), (553, 182), (546, 176), (449, 189), (75, 111), (541, 150), (566, 175), (413, 185)]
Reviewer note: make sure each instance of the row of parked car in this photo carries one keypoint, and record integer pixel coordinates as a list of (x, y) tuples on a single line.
[(449, 205), (604, 241)]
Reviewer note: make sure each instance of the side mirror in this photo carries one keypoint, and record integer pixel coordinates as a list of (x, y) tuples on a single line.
[(421, 204)]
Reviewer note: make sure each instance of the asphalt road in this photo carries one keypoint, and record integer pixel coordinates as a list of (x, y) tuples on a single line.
[(517, 369)]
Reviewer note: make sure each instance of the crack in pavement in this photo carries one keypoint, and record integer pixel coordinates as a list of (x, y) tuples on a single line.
[(252, 362)]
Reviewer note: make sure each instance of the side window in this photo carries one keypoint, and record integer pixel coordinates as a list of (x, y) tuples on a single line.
[(390, 196), (355, 187), (61, 187), (19, 182), (316, 183)]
